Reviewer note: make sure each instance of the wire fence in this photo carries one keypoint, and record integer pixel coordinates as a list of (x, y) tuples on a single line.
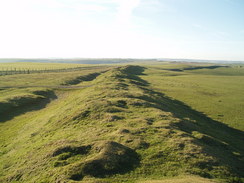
[(12, 71)]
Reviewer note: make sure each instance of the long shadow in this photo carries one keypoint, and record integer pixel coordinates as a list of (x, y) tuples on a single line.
[(10, 110), (133, 73), (220, 141), (199, 67), (88, 77)]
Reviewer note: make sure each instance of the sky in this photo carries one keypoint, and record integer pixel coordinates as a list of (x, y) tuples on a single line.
[(188, 29)]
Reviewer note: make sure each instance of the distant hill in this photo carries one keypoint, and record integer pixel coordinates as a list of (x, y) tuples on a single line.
[(112, 60)]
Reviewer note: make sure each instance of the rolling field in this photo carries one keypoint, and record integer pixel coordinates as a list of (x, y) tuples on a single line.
[(148, 123), (217, 93), (45, 79), (27, 68), (39, 66)]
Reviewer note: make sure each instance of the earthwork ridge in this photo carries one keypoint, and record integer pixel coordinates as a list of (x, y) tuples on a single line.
[(120, 129)]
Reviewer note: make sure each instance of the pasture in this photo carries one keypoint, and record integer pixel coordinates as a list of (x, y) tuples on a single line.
[(217, 93), (158, 122)]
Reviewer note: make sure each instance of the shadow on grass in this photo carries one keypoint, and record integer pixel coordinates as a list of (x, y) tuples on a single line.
[(88, 77), (218, 140), (133, 73), (22, 105)]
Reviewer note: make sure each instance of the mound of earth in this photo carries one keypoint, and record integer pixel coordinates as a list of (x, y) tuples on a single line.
[(111, 158)]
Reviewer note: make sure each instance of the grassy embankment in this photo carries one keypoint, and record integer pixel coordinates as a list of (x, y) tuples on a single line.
[(120, 124), (19, 91)]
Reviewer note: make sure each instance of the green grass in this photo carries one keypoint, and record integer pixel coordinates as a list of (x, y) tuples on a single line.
[(39, 66), (122, 123), (181, 179), (46, 79), (217, 93)]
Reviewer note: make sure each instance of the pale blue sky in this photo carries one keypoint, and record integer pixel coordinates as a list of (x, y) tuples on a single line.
[(198, 29)]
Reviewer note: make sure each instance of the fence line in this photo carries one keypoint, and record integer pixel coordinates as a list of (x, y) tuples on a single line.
[(12, 71)]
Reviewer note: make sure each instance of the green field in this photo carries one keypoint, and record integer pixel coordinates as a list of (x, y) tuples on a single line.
[(40, 68), (146, 123), (218, 93)]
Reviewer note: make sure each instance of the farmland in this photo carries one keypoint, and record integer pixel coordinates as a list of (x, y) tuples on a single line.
[(149, 122), (26, 68)]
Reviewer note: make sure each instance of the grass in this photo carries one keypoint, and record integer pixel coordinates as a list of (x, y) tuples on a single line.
[(215, 92), (25, 68), (184, 179), (16, 101), (39, 66), (122, 124), (47, 79)]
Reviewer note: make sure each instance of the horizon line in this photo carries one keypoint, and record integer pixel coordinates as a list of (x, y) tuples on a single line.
[(120, 58)]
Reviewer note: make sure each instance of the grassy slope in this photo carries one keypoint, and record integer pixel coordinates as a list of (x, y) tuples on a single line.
[(45, 79), (21, 90), (216, 92), (15, 101), (69, 138)]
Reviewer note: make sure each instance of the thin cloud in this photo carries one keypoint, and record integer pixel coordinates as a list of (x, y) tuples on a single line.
[(125, 10)]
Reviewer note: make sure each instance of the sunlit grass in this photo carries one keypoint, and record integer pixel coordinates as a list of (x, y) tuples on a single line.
[(127, 105), (215, 92)]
